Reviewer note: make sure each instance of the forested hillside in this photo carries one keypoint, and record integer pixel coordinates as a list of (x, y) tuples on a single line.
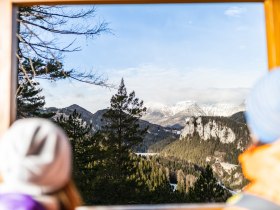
[(217, 141)]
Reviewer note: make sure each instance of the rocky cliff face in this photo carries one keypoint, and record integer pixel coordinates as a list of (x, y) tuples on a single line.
[(212, 129), (216, 141)]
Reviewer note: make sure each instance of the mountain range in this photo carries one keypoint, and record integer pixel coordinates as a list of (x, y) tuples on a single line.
[(201, 134), (154, 134), (169, 123), (175, 116)]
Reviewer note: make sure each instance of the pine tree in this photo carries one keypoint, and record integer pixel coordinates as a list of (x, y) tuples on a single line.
[(85, 151), (122, 119), (122, 131), (208, 189), (181, 183), (121, 176), (30, 102), (116, 182), (75, 127)]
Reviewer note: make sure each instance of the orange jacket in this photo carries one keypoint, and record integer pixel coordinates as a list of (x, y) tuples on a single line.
[(261, 166)]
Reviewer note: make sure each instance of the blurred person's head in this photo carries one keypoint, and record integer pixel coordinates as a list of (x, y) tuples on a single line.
[(263, 109), (36, 159)]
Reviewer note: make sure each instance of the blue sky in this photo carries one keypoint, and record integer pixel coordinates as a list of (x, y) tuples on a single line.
[(210, 53)]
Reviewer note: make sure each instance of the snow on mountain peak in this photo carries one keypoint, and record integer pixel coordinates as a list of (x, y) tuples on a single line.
[(181, 106), (155, 105), (164, 115), (168, 111), (158, 109), (222, 109)]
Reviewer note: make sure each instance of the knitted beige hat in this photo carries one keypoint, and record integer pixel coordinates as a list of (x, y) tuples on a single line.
[(35, 157)]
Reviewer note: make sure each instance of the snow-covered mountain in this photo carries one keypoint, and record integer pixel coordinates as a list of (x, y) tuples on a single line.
[(222, 109), (175, 116)]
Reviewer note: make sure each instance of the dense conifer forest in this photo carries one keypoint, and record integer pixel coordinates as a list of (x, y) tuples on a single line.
[(107, 171)]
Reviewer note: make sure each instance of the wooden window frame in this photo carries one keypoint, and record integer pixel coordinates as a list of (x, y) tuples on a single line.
[(8, 24), (8, 74)]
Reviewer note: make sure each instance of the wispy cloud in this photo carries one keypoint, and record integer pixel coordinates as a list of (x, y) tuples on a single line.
[(216, 95), (235, 11), (159, 84)]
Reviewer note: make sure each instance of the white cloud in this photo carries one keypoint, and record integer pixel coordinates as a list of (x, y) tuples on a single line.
[(217, 95), (158, 84), (235, 11), (205, 85)]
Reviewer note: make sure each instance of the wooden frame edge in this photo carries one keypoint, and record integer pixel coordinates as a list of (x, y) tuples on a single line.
[(8, 64), (272, 19), (50, 2)]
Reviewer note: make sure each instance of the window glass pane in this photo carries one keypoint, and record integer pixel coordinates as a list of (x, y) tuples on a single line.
[(191, 64)]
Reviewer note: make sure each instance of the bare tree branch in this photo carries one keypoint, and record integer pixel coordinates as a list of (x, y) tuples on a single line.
[(36, 20), (90, 32), (73, 16)]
